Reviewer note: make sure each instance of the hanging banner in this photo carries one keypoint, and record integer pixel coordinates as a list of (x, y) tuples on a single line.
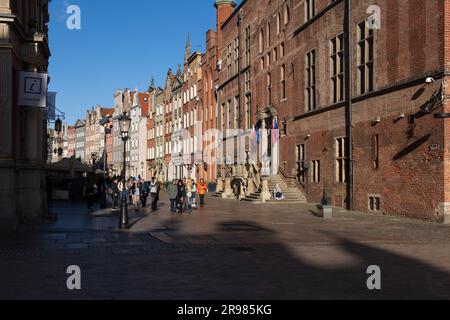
[(51, 105), (33, 89)]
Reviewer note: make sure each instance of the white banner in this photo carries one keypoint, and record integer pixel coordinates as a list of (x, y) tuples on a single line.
[(33, 89)]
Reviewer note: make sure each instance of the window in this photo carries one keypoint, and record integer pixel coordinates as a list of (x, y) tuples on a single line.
[(229, 118), (247, 81), (278, 23), (236, 113), (287, 15), (247, 46), (301, 156), (268, 34), (236, 55), (229, 62), (376, 151), (248, 112), (282, 50), (275, 54), (374, 203), (310, 9), (366, 73), (269, 88), (223, 119), (315, 171), (283, 82), (311, 81), (341, 159), (337, 69), (261, 41)]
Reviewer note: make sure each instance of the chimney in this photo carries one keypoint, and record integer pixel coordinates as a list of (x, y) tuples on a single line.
[(224, 9)]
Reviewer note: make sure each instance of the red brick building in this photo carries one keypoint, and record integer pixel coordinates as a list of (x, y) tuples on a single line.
[(371, 142), (207, 114), (191, 101)]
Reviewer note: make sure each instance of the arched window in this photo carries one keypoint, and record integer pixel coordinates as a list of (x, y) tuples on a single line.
[(261, 41), (278, 23), (287, 15), (269, 88), (283, 82)]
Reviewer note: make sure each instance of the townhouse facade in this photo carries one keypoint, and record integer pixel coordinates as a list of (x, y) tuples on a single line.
[(80, 139), (192, 136), (174, 118), (122, 104), (71, 141), (158, 116)]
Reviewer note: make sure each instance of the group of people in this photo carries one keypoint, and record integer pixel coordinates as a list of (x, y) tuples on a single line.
[(183, 195), (136, 190)]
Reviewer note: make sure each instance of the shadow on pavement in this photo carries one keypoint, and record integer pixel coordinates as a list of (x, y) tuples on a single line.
[(247, 262)]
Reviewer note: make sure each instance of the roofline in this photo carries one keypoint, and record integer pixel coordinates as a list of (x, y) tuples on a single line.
[(236, 10), (195, 54)]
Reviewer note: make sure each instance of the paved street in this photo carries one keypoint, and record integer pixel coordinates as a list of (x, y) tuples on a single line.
[(228, 250)]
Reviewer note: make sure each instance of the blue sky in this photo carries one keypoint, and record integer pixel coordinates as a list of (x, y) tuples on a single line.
[(121, 44)]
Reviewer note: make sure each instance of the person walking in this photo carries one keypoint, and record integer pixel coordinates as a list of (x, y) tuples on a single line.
[(237, 189), (172, 191), (154, 189), (194, 194), (115, 193), (136, 195), (181, 195), (145, 189), (189, 195), (202, 188), (89, 192)]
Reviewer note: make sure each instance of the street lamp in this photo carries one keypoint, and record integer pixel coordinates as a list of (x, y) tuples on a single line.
[(124, 125), (108, 130), (58, 126)]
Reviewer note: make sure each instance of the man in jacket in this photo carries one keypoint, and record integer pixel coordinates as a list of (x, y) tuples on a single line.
[(172, 190), (154, 189), (202, 188)]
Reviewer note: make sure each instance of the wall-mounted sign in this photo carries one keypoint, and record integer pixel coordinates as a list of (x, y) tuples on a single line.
[(33, 89)]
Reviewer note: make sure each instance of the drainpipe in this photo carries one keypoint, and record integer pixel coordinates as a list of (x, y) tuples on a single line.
[(348, 105)]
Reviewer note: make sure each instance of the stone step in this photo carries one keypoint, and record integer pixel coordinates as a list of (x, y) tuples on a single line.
[(274, 202)]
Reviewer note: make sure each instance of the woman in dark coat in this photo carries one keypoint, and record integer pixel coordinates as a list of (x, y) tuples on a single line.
[(181, 195)]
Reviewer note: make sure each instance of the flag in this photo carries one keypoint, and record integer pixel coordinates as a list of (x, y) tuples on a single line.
[(275, 131), (256, 135)]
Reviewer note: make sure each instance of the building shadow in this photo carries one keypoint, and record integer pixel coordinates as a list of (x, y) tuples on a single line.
[(249, 262), (238, 260)]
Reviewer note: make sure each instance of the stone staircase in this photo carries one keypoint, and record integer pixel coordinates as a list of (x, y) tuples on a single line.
[(292, 195)]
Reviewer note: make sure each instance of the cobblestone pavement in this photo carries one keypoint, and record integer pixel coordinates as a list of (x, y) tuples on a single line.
[(227, 250)]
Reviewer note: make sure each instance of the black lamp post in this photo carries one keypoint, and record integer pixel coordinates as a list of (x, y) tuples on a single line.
[(108, 129), (124, 125)]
